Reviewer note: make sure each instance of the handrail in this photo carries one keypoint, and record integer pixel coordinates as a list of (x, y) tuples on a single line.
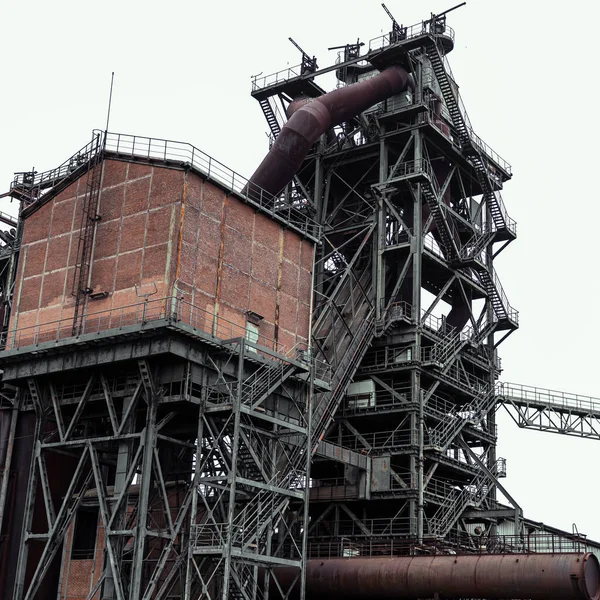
[(512, 313), (171, 308), (32, 180), (518, 393), (169, 150), (262, 81), (411, 31), (465, 544), (293, 212), (375, 45)]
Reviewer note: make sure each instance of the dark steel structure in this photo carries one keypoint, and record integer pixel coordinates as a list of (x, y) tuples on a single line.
[(217, 464), (410, 203)]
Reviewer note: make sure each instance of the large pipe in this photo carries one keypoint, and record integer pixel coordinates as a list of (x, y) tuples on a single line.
[(311, 120), (531, 576)]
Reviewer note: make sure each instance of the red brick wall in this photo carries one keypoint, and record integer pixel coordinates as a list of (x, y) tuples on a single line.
[(78, 577), (164, 227), (234, 259)]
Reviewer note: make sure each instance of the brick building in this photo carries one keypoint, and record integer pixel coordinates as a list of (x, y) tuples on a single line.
[(161, 298)]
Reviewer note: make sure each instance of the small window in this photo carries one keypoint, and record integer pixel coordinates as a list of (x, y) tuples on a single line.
[(252, 335), (402, 354), (84, 536)]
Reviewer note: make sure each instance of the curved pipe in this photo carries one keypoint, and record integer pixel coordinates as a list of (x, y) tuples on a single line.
[(311, 120), (532, 576)]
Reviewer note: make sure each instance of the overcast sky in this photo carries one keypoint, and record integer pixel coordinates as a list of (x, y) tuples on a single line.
[(528, 75)]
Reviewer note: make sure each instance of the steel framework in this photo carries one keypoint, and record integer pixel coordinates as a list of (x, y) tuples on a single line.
[(410, 203), (214, 459)]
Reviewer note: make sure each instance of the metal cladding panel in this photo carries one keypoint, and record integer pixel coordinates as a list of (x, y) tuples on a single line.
[(380, 474)]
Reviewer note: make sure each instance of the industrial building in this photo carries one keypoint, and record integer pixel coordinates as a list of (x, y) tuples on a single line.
[(283, 386)]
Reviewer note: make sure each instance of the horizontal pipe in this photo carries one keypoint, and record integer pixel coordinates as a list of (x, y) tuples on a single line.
[(313, 119), (531, 576)]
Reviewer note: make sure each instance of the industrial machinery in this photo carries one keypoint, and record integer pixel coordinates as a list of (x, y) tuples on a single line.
[(277, 387)]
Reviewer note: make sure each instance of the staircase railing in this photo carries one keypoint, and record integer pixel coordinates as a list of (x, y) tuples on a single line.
[(451, 344), (431, 191), (470, 145), (32, 184), (460, 498), (343, 373), (447, 429), (264, 381), (493, 287), (476, 245), (393, 313)]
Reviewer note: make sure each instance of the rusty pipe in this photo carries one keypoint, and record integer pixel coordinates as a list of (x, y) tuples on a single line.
[(533, 576), (312, 119)]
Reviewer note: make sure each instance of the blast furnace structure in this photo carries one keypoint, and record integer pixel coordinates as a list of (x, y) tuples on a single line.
[(223, 388)]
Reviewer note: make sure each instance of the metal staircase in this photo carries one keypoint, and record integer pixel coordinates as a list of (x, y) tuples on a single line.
[(422, 171), (430, 192), (448, 428), (270, 116), (344, 331), (343, 372), (395, 312), (450, 345), (508, 317), (505, 227), (472, 250), (343, 347), (459, 499), (264, 381), (31, 186)]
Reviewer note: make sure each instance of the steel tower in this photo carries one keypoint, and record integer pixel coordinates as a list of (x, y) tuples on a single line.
[(409, 198)]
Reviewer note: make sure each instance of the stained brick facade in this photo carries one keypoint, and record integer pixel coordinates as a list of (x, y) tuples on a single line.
[(165, 230)]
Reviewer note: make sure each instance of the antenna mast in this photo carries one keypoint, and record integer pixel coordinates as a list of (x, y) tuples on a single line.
[(112, 78)]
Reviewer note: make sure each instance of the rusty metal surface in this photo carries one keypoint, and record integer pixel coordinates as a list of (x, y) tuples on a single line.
[(312, 119), (530, 576)]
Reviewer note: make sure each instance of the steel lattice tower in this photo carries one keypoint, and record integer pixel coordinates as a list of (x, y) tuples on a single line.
[(410, 203)]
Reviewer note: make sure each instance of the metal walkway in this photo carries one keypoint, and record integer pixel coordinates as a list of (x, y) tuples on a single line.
[(550, 410)]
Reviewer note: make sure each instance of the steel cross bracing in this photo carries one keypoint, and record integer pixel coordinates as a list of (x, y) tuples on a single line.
[(550, 410), (505, 227), (254, 460), (398, 218), (189, 482)]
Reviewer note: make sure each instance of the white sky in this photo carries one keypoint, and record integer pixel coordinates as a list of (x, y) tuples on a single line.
[(528, 75)]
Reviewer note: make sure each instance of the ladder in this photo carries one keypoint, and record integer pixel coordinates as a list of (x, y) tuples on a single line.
[(270, 116), (89, 218)]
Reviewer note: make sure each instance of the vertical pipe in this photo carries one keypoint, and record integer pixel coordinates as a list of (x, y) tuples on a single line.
[(237, 403), (416, 301), (19, 589), (141, 529), (379, 249), (8, 460), (194, 509)]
